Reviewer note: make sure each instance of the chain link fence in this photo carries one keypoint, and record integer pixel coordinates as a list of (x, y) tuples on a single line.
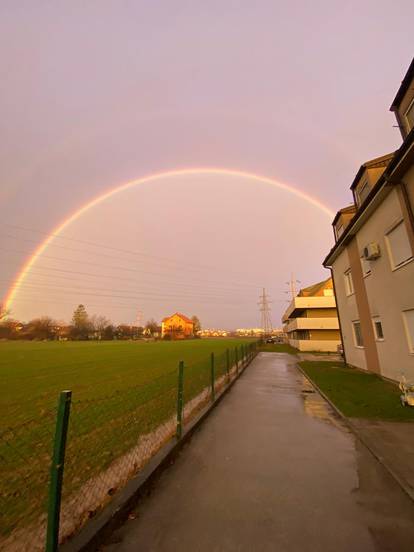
[(109, 440)]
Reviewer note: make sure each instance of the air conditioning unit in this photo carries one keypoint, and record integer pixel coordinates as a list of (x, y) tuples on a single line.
[(372, 251)]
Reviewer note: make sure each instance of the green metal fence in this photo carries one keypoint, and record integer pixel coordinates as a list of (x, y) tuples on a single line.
[(59, 470)]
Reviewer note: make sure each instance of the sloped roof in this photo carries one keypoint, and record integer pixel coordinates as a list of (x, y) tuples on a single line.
[(314, 289), (350, 210), (399, 164), (378, 162), (183, 316)]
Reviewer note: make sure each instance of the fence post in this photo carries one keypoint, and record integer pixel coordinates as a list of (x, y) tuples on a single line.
[(56, 471), (228, 363), (180, 393), (213, 391), (237, 359)]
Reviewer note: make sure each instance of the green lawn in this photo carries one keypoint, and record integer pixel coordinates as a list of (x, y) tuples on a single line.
[(33, 373), (277, 348), (356, 393), (121, 391)]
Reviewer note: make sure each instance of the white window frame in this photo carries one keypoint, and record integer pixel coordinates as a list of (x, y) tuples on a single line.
[(389, 248), (376, 319), (349, 283), (365, 263), (410, 338), (339, 230), (410, 106), (364, 184), (355, 336)]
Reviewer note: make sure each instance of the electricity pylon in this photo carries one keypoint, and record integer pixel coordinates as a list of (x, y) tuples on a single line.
[(292, 286), (266, 322)]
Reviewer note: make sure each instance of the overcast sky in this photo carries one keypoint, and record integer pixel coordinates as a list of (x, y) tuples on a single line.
[(94, 94)]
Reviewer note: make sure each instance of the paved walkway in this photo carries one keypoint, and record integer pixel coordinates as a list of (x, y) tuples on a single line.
[(272, 469)]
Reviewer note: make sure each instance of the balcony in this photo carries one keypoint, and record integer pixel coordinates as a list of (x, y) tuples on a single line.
[(312, 324), (299, 304)]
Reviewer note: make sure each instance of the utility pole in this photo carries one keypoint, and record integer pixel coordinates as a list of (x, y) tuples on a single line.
[(266, 322)]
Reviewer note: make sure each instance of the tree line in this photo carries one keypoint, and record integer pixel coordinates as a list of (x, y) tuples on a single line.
[(82, 327)]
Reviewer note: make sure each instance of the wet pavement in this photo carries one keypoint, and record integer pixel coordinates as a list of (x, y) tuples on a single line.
[(273, 468)]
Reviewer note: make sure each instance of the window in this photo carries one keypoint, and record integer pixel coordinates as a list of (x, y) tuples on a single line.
[(349, 283), (366, 267), (363, 191), (399, 247), (409, 115), (408, 316), (357, 333), (339, 230), (379, 334)]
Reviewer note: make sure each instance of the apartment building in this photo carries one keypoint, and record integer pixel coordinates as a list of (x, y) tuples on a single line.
[(372, 259), (311, 321)]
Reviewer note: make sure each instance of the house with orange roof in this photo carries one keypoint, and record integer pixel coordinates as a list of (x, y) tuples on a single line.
[(177, 326)]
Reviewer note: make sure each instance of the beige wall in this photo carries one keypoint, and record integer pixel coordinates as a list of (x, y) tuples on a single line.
[(348, 311), (389, 292), (321, 313), (307, 345), (325, 335)]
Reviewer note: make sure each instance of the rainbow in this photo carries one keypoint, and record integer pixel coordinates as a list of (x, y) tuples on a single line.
[(21, 276)]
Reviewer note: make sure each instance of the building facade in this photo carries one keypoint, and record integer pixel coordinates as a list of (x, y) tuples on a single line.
[(372, 259), (311, 320), (177, 326)]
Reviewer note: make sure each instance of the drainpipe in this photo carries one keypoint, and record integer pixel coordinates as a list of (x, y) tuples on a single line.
[(339, 318)]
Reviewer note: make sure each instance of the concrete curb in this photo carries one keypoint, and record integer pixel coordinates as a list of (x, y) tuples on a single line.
[(116, 512), (405, 486)]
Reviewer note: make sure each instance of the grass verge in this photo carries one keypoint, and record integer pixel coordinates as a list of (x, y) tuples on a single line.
[(358, 394), (277, 348)]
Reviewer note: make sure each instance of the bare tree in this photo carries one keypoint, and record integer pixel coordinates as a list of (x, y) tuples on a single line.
[(99, 323), (41, 328), (151, 327)]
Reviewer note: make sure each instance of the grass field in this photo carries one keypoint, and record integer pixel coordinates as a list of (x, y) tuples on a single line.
[(33, 373), (122, 391), (277, 348), (358, 394)]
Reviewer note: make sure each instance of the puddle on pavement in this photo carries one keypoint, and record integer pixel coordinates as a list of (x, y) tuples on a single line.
[(316, 406)]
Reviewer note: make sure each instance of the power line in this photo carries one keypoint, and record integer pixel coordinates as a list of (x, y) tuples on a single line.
[(137, 271), (208, 300), (197, 266), (45, 283), (84, 290)]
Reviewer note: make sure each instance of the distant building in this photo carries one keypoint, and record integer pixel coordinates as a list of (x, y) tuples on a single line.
[(372, 259), (213, 332), (177, 326), (249, 332), (311, 320)]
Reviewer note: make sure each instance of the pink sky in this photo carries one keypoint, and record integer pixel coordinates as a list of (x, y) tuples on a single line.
[(99, 93)]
